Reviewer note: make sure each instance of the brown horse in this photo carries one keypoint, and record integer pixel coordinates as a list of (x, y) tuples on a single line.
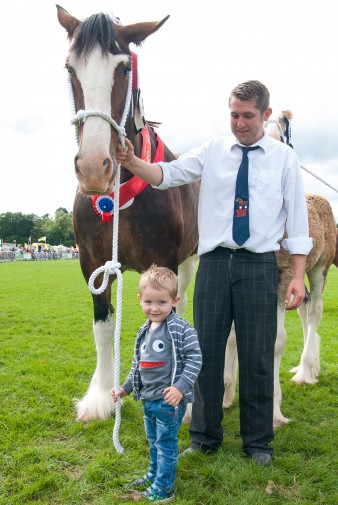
[(154, 226)]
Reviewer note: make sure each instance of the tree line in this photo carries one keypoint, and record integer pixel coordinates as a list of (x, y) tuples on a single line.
[(25, 228)]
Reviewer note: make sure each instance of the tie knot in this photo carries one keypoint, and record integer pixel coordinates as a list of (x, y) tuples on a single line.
[(247, 149)]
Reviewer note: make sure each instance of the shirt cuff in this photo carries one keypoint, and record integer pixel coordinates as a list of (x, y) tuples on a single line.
[(166, 179), (299, 245)]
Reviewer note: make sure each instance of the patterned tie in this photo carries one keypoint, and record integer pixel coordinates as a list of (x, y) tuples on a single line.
[(240, 227)]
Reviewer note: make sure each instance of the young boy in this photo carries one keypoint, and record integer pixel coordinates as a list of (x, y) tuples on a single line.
[(167, 360)]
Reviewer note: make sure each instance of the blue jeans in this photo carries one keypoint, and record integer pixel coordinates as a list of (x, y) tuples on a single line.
[(162, 422)]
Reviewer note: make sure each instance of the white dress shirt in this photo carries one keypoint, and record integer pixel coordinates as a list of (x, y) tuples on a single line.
[(276, 194)]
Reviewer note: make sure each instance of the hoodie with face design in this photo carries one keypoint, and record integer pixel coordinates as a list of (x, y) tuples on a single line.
[(186, 358)]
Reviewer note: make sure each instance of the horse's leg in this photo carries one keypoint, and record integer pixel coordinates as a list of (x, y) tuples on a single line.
[(309, 366), (278, 418), (187, 416), (303, 314), (98, 402), (230, 369), (186, 272)]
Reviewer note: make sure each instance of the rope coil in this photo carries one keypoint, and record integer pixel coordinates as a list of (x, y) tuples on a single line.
[(111, 267)]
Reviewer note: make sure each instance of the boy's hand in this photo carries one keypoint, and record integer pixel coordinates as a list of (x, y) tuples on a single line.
[(120, 393), (173, 396)]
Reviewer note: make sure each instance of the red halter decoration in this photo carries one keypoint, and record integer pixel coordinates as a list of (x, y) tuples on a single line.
[(103, 205)]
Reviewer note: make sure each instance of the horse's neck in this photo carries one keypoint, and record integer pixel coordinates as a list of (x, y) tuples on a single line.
[(275, 129)]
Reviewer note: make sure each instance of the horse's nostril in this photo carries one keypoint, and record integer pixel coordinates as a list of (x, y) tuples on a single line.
[(77, 168), (107, 166)]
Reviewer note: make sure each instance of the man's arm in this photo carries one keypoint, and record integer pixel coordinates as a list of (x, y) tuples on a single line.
[(295, 293), (149, 172)]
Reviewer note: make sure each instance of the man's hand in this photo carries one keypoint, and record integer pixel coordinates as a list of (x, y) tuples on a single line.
[(125, 156), (295, 294)]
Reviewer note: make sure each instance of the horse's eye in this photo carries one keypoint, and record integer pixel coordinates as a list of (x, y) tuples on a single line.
[(126, 70), (70, 71)]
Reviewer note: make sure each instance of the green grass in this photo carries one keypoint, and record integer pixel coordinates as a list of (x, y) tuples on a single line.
[(47, 358)]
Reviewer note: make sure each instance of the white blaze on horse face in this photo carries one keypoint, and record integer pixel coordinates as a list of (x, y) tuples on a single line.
[(94, 161)]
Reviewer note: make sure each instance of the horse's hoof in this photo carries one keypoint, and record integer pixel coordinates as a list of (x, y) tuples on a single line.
[(279, 421), (303, 380)]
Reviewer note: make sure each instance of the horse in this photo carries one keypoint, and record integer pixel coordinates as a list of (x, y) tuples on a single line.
[(279, 127), (154, 226), (323, 230), (335, 260)]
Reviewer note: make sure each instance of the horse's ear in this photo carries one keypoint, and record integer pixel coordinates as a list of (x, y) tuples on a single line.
[(138, 32), (67, 21)]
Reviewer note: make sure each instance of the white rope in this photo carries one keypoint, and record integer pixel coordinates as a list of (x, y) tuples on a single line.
[(111, 267), (82, 115), (302, 166), (319, 178)]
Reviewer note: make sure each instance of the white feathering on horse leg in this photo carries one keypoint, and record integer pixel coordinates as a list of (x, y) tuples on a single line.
[(98, 402), (230, 369), (186, 271)]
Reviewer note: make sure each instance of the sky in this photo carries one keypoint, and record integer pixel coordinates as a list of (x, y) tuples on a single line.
[(187, 70)]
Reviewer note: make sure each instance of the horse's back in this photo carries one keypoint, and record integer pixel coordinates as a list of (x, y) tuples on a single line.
[(322, 229)]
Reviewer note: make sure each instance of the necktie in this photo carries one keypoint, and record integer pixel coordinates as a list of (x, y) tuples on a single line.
[(240, 227)]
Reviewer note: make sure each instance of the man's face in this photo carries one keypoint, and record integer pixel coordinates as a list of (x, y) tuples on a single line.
[(246, 121)]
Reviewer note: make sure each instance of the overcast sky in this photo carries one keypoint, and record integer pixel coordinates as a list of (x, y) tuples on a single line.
[(187, 70)]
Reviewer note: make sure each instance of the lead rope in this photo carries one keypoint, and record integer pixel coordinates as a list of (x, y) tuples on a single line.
[(319, 178), (111, 267), (274, 121)]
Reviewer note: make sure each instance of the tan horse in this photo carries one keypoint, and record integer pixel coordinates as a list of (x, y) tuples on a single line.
[(322, 227), (324, 232), (279, 128)]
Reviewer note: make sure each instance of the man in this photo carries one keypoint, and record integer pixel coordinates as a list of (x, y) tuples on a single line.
[(251, 189)]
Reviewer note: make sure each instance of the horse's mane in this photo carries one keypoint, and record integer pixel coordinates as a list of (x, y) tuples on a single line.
[(97, 29)]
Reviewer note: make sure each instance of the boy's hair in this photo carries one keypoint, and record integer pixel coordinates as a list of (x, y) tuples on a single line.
[(254, 92), (159, 278)]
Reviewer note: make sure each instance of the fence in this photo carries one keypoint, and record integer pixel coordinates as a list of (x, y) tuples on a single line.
[(37, 256)]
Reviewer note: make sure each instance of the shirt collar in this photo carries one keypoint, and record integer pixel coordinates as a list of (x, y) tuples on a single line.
[(262, 142)]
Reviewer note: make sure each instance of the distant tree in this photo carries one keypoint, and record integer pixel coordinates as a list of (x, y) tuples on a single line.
[(62, 210), (20, 227), (60, 230), (17, 226)]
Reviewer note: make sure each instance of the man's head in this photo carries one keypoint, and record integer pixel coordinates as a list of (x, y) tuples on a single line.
[(249, 108)]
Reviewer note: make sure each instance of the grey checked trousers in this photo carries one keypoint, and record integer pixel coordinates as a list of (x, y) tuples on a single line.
[(238, 286)]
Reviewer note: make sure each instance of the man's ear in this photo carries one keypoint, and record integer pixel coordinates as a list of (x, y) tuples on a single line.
[(139, 297), (267, 114)]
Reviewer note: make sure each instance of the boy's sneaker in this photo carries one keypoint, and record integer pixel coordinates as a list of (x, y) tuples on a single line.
[(156, 495), (144, 481)]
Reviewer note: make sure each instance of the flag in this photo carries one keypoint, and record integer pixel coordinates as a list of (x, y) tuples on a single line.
[(30, 240), (42, 239)]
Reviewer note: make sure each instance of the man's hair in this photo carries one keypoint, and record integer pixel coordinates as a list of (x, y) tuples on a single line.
[(254, 92), (159, 278)]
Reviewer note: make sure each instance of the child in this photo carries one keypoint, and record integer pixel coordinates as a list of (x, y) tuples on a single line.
[(167, 360)]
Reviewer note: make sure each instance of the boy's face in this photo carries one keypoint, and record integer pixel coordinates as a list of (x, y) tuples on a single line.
[(156, 303)]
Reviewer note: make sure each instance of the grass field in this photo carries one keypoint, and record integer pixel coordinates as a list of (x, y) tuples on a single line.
[(47, 358)]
